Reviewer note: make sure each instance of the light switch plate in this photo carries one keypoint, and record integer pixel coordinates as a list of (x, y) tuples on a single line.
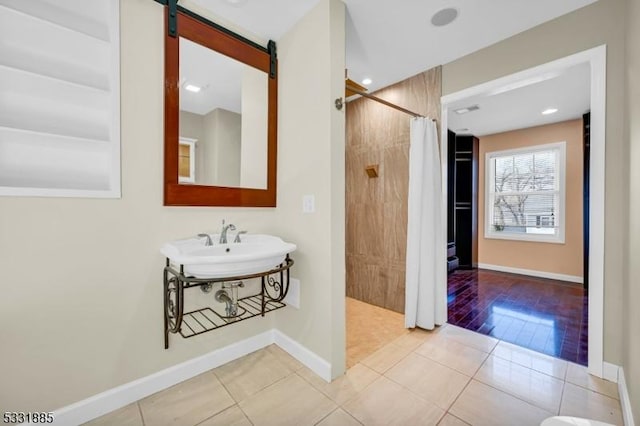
[(308, 204)]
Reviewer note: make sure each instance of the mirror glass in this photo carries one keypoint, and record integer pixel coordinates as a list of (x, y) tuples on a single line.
[(223, 120)]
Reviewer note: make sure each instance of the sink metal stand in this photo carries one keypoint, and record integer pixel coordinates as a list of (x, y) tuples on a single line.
[(273, 290)]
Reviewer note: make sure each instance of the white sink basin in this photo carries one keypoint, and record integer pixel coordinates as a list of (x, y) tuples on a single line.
[(256, 253)]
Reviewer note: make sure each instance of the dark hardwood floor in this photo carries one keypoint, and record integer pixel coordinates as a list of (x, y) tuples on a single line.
[(543, 315)]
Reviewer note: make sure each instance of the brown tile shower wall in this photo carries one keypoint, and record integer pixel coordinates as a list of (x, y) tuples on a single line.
[(377, 207)]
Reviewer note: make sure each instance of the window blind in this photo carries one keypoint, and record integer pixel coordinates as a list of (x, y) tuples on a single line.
[(525, 192)]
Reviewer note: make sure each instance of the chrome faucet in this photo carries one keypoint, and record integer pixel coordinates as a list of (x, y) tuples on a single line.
[(208, 241), (223, 233), (237, 239)]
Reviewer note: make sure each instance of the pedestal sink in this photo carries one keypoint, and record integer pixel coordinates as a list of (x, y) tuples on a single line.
[(256, 253)]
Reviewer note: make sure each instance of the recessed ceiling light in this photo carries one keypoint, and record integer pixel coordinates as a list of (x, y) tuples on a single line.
[(549, 111), (366, 81), (466, 109), (464, 129), (192, 88), (444, 17)]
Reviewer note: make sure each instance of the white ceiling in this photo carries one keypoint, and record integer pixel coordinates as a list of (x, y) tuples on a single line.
[(389, 41), (218, 76), (521, 108), (267, 19)]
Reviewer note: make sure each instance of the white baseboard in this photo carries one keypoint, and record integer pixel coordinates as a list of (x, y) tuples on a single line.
[(625, 401), (532, 273), (316, 364), (610, 372), (112, 399)]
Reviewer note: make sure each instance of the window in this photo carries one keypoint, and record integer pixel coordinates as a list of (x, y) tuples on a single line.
[(525, 193)]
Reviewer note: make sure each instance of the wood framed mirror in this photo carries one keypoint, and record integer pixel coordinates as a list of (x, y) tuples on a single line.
[(221, 108)]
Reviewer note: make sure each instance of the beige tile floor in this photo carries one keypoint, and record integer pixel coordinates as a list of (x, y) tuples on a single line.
[(369, 328), (450, 376)]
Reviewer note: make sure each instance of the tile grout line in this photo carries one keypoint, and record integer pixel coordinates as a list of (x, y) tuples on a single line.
[(516, 396), (524, 366), (338, 407), (351, 415), (327, 415), (458, 397), (266, 387), (593, 391), (223, 385), (218, 413), (564, 385), (426, 400), (344, 375), (261, 389), (513, 396), (316, 388), (474, 332), (361, 391), (414, 393), (453, 415), (526, 349), (509, 393), (246, 416), (270, 385), (436, 362), (140, 411), (393, 381), (451, 368), (392, 365)]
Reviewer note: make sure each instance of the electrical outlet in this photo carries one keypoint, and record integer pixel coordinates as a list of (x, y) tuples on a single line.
[(308, 204), (293, 295)]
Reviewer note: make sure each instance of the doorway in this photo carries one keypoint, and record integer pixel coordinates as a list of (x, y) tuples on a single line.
[(594, 62)]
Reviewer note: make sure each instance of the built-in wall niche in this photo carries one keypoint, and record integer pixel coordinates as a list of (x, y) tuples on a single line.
[(59, 98), (187, 161)]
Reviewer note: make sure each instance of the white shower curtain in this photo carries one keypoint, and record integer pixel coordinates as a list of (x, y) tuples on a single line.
[(426, 278)]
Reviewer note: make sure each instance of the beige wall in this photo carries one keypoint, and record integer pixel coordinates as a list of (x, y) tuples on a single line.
[(82, 295), (377, 207), (190, 125), (631, 357), (545, 257), (255, 93), (599, 23), (220, 148), (311, 161)]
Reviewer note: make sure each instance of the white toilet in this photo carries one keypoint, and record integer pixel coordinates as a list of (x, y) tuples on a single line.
[(572, 421)]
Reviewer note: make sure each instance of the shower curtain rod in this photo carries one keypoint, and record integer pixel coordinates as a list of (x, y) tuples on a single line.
[(382, 101)]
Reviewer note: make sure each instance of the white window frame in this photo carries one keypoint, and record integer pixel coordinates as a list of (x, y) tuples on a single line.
[(192, 160), (561, 165)]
